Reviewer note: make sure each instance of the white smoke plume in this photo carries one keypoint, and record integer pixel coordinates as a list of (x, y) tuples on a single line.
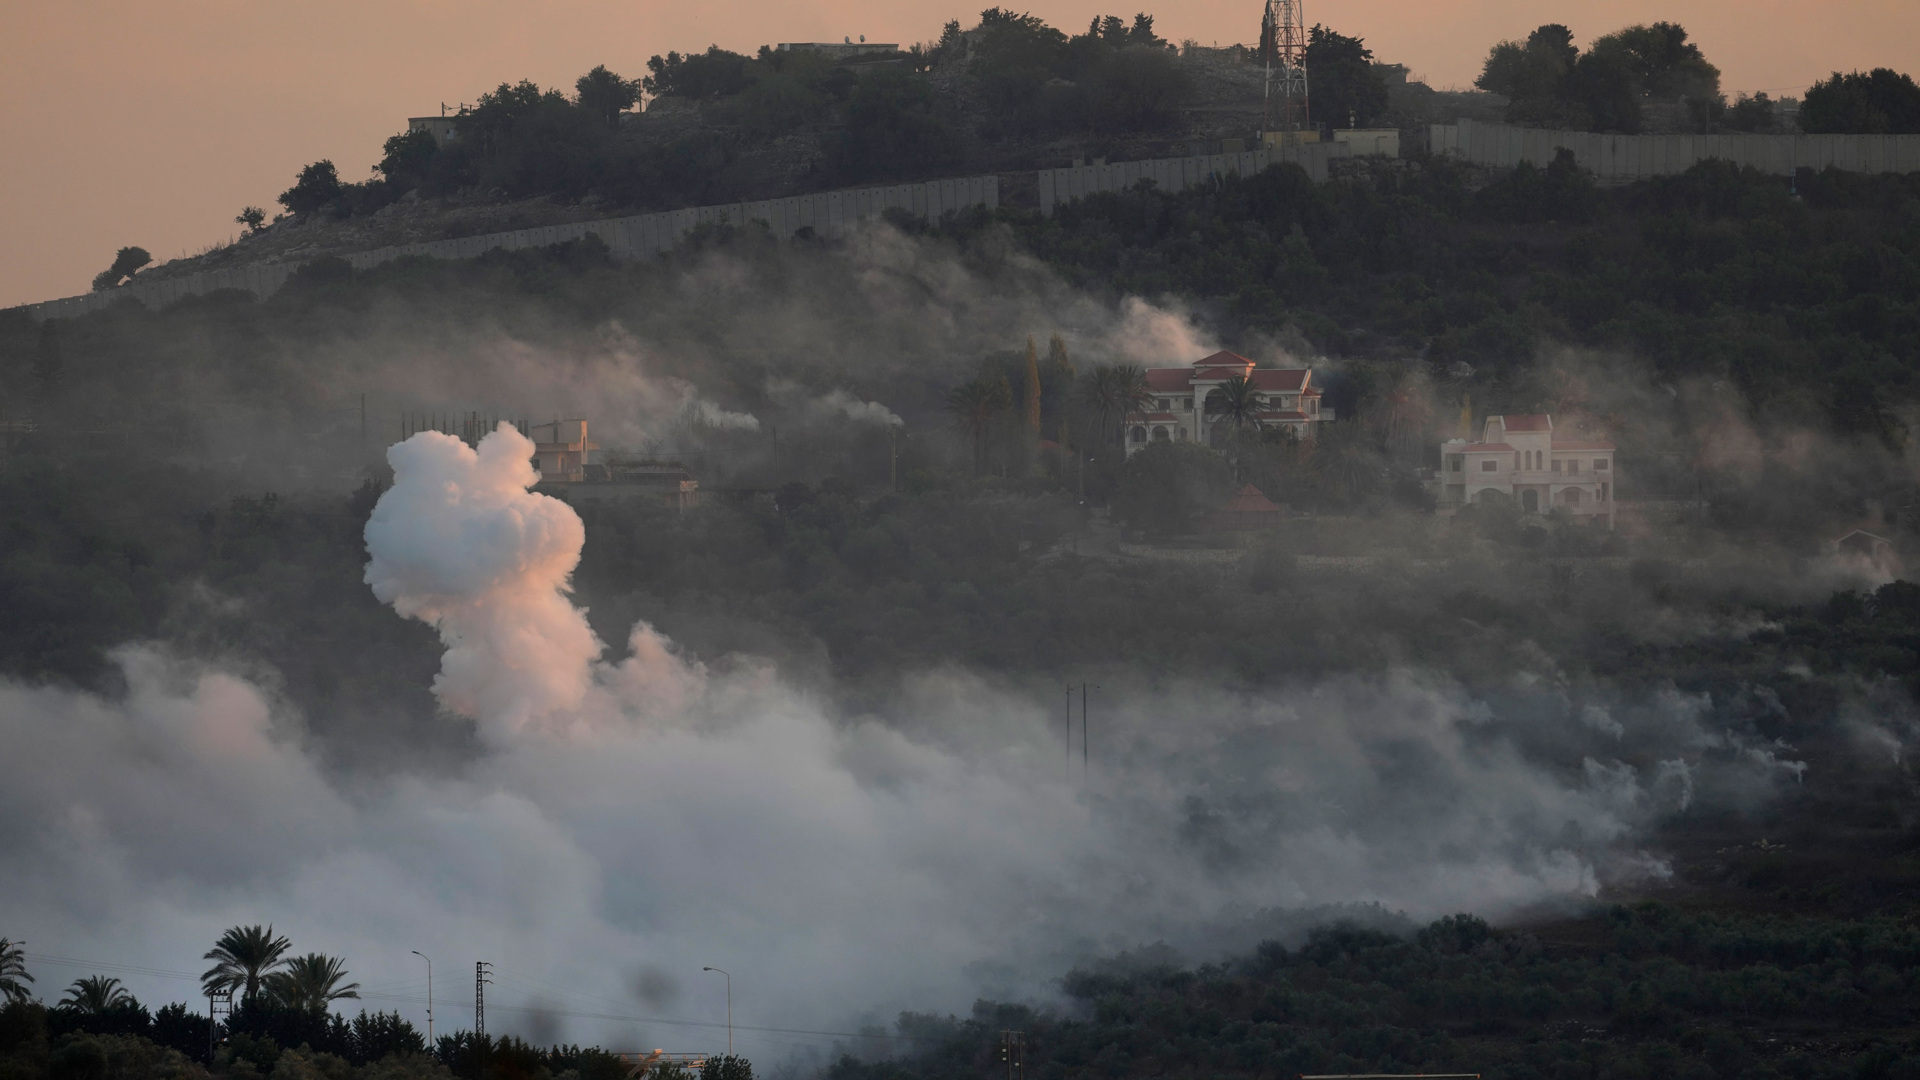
[(460, 542), (1153, 336), (860, 412), (654, 815), (833, 407), (699, 412)]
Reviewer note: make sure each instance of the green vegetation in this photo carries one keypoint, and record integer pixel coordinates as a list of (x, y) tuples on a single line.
[(1806, 296), (126, 262), (13, 972), (1880, 102), (282, 1027), (870, 118), (1714, 301), (243, 958), (318, 185), (1644, 991), (1036, 80), (1347, 91), (1550, 83), (1164, 488)]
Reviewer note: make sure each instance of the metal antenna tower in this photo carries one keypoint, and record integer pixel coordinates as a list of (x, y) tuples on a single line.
[(1283, 47), (481, 971)]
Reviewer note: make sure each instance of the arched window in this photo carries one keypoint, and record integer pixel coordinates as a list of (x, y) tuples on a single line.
[(1160, 434), (1138, 435)]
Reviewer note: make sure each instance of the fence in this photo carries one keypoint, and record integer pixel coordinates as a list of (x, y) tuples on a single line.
[(1177, 174), (1637, 157), (633, 237)]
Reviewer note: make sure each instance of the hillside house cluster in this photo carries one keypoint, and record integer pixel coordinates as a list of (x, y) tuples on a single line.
[(1180, 409), (1520, 458)]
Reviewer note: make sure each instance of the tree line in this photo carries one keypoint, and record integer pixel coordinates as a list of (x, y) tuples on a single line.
[(1550, 82), (282, 1026), (1636, 991)]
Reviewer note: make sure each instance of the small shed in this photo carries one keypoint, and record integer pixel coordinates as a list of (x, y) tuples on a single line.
[(1248, 509)]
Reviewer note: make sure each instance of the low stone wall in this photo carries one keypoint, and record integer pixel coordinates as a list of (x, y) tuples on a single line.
[(1178, 174), (1623, 158), (638, 236)]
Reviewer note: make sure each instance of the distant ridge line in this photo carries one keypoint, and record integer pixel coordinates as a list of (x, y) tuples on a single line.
[(630, 237)]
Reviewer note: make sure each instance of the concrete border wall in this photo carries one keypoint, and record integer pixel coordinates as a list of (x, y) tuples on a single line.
[(1636, 157), (636, 237), (1178, 174)]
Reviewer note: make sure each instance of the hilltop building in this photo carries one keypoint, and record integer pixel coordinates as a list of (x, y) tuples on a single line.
[(444, 129), (1520, 458), (562, 453), (573, 465), (1180, 411), (839, 50)]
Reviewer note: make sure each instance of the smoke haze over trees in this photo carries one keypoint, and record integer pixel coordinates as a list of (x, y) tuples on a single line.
[(1373, 790)]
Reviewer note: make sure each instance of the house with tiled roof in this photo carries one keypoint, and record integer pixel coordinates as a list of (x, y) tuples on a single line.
[(1523, 459), (1179, 411)]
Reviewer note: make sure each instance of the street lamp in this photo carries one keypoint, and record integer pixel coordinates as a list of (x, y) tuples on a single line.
[(729, 979), (429, 961)]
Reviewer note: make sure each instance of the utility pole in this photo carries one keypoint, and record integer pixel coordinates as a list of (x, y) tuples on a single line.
[(1085, 752), (729, 979), (1069, 733), (1013, 1051), (219, 1003), (429, 960)]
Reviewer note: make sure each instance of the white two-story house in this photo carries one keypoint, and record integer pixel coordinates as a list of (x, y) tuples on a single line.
[(1520, 457), (1179, 412)]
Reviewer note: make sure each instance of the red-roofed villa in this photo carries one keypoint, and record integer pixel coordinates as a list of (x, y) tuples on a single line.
[(1179, 410), (1520, 457)]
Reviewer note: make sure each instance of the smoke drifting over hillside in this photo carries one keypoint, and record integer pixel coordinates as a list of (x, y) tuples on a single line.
[(654, 812)]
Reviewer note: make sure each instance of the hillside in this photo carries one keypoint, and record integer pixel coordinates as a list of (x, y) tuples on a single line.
[(738, 128)]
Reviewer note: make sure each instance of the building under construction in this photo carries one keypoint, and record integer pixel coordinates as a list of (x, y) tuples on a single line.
[(570, 464), (573, 466)]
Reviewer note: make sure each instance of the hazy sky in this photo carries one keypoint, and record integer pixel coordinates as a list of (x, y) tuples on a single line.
[(153, 124)]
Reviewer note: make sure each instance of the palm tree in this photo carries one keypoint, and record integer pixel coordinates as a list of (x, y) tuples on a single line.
[(245, 955), (311, 982), (13, 972), (96, 994), (1237, 403), (974, 406), (1112, 391)]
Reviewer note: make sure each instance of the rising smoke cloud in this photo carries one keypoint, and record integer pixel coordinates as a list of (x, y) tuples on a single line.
[(646, 813), (637, 814)]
